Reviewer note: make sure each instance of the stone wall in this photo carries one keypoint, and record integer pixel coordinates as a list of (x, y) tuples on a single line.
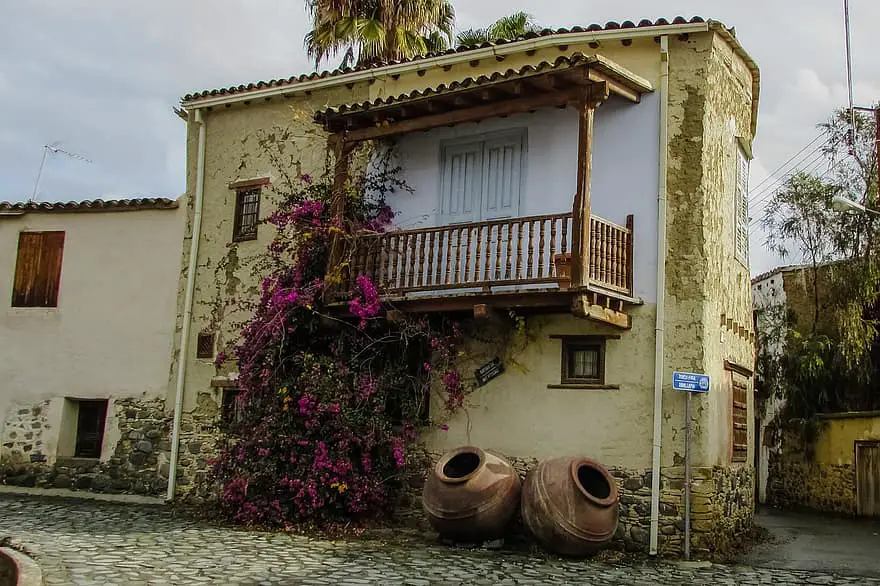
[(23, 433), (138, 464), (200, 442), (796, 483), (722, 506)]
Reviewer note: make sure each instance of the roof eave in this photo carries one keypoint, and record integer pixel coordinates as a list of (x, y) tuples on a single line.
[(446, 60)]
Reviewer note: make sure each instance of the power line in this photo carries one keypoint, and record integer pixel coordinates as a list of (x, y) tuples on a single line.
[(754, 229), (771, 189), (793, 157)]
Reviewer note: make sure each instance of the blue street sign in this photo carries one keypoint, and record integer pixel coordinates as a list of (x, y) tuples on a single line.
[(689, 381)]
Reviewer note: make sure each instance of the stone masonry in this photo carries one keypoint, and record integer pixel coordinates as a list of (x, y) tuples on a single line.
[(23, 439), (722, 507), (139, 463), (795, 483)]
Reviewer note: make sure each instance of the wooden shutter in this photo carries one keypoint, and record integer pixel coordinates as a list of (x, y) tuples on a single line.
[(502, 176), (740, 417), (38, 269), (461, 181)]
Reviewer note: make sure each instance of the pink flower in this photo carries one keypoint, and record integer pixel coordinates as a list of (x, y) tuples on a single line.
[(427, 367), (398, 452), (444, 427), (364, 299)]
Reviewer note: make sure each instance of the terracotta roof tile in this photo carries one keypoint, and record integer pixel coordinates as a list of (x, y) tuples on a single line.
[(92, 205), (561, 63), (611, 25)]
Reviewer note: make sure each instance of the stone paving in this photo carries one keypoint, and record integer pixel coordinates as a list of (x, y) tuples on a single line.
[(89, 543)]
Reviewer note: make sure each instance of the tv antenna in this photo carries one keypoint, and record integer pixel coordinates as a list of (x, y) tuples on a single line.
[(54, 148)]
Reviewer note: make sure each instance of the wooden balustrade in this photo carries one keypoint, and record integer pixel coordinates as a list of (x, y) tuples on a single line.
[(489, 254)]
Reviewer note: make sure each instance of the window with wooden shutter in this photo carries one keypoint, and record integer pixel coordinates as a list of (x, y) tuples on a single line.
[(741, 202), (247, 213), (740, 417), (482, 178), (38, 269)]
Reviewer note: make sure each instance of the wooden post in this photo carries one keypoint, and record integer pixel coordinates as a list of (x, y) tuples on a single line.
[(343, 151), (580, 249)]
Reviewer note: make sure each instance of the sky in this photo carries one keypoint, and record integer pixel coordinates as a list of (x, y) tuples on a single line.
[(102, 76)]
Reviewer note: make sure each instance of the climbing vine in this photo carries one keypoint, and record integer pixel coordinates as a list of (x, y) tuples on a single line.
[(330, 406)]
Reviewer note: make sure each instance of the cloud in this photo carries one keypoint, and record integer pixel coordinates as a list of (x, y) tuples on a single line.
[(103, 75)]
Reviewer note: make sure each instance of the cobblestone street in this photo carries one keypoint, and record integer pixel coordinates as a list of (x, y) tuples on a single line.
[(106, 544)]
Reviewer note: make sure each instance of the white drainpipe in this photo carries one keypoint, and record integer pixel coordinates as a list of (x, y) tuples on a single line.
[(661, 293), (188, 305)]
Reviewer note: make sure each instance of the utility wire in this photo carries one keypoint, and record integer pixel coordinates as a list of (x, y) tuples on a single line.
[(754, 229), (785, 164), (769, 190)]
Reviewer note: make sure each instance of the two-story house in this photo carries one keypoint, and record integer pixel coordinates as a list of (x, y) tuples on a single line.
[(88, 290), (593, 180)]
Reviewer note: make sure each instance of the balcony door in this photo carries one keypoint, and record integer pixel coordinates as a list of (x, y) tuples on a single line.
[(481, 178)]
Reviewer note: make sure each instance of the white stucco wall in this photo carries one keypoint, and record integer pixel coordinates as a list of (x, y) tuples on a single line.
[(767, 292), (110, 336), (625, 160)]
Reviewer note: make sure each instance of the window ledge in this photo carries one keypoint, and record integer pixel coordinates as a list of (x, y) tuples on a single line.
[(584, 386)]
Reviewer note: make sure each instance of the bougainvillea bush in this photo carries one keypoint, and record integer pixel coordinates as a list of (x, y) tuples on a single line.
[(330, 401)]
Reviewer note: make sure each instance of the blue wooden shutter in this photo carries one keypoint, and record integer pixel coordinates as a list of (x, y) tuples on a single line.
[(502, 176), (461, 183)]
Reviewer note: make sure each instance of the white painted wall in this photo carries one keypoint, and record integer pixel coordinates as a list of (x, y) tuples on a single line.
[(625, 161), (768, 291), (111, 334)]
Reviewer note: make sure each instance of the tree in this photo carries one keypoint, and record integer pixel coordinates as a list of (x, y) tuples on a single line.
[(372, 31), (507, 27), (833, 365)]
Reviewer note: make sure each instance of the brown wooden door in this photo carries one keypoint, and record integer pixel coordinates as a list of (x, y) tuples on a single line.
[(868, 478)]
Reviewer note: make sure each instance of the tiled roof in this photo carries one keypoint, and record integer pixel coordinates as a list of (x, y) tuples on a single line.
[(561, 63), (93, 205), (611, 25)]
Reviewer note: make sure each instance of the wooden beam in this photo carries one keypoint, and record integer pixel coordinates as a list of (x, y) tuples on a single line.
[(471, 114), (581, 306), (590, 100), (614, 86)]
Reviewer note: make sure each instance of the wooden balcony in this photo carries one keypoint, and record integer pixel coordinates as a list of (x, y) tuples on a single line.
[(513, 255)]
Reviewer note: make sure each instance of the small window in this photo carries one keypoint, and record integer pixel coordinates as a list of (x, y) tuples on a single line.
[(583, 360), (741, 202), (38, 269), (205, 345), (90, 428), (247, 213)]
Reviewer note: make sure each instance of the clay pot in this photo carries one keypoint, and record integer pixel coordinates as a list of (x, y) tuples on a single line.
[(570, 505), (471, 495)]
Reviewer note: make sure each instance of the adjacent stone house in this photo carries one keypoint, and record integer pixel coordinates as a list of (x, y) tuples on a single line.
[(88, 290), (620, 150), (835, 465)]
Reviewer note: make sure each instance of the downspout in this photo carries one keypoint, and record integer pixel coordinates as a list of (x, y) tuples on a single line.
[(188, 305), (661, 293)]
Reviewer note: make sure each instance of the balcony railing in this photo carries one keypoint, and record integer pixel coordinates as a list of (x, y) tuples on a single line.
[(511, 252)]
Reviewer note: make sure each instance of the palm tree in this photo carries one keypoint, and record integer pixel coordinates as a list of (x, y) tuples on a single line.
[(371, 31), (507, 27)]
